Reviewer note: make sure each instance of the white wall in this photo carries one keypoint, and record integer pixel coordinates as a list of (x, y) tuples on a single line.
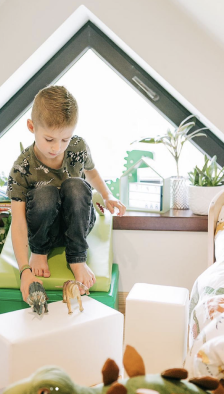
[(165, 37), (168, 258)]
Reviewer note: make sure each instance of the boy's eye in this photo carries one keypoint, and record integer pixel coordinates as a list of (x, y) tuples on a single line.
[(48, 140)]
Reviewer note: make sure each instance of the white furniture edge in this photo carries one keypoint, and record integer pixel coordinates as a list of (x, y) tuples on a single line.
[(213, 213)]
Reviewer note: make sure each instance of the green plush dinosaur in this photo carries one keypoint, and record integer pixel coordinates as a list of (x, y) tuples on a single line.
[(52, 379)]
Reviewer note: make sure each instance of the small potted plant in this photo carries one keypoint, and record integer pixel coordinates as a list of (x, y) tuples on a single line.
[(174, 142), (205, 184)]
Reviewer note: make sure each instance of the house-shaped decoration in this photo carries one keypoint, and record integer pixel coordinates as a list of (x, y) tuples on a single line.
[(145, 186), (132, 157)]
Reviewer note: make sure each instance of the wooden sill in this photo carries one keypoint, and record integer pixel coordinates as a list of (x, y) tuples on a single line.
[(172, 220)]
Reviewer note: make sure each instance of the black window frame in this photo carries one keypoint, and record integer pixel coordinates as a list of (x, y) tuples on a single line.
[(91, 37)]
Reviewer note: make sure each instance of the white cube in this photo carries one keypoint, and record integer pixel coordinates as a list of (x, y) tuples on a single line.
[(156, 322), (79, 343)]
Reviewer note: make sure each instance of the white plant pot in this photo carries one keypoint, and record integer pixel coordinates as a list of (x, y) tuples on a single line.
[(200, 198)]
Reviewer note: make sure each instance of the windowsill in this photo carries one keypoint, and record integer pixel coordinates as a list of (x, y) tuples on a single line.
[(172, 220)]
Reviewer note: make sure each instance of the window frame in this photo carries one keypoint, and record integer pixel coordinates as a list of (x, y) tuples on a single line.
[(91, 37)]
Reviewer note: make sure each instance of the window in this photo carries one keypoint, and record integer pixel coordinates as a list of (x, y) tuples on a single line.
[(114, 109)]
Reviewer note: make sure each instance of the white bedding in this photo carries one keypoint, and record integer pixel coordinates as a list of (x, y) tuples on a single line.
[(206, 330)]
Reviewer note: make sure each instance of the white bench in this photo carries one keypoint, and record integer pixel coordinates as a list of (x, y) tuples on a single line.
[(156, 322), (79, 343)]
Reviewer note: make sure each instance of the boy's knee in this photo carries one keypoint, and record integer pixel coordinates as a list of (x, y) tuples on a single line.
[(75, 188), (43, 199)]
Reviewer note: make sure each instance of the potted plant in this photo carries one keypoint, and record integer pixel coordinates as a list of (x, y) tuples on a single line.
[(205, 184), (174, 142)]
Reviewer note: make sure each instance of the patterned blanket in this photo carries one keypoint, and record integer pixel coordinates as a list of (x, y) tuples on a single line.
[(206, 329)]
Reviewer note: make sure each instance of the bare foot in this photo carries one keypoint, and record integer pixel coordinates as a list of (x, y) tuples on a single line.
[(83, 274), (39, 265)]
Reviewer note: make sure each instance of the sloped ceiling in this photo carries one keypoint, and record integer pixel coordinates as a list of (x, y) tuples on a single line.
[(208, 14)]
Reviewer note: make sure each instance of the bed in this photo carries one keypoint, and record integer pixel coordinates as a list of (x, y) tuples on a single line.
[(206, 315)]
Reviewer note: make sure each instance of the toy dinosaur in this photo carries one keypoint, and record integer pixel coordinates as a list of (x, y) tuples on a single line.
[(51, 379), (37, 298), (98, 203), (71, 290)]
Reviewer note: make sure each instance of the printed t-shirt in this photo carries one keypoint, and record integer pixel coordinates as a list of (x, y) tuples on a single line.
[(28, 172)]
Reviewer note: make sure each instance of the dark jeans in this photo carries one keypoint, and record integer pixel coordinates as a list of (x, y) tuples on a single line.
[(61, 218)]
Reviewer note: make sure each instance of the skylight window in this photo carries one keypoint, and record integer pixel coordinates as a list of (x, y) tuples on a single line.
[(111, 116), (118, 101)]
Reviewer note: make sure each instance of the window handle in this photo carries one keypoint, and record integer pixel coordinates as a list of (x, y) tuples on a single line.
[(154, 96)]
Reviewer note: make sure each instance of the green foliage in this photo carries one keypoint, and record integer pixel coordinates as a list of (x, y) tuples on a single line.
[(3, 179), (209, 175), (175, 140), (2, 237), (7, 221), (6, 218)]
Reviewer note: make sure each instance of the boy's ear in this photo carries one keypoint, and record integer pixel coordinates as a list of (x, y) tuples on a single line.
[(30, 125)]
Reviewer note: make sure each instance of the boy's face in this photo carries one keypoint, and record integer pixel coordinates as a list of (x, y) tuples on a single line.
[(50, 144)]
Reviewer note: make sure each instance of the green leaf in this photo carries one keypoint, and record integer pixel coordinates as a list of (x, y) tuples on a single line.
[(189, 117), (185, 128), (169, 133), (3, 179), (174, 140), (195, 134), (21, 147), (166, 137), (151, 141), (205, 165), (209, 175)]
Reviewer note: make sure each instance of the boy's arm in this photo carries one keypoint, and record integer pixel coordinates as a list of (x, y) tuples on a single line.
[(20, 245), (95, 180)]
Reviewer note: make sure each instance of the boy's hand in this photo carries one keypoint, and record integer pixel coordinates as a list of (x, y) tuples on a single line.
[(111, 203), (26, 279)]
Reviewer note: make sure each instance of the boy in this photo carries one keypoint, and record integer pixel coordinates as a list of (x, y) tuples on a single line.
[(49, 186)]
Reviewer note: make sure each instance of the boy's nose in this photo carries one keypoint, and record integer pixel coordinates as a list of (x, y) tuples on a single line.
[(56, 147)]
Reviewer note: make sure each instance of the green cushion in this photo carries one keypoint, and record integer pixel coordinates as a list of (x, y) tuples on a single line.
[(99, 259), (11, 299)]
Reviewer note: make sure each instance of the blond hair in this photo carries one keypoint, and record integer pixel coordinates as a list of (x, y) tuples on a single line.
[(54, 107)]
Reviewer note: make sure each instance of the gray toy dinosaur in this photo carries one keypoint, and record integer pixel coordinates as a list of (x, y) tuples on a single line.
[(37, 298)]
